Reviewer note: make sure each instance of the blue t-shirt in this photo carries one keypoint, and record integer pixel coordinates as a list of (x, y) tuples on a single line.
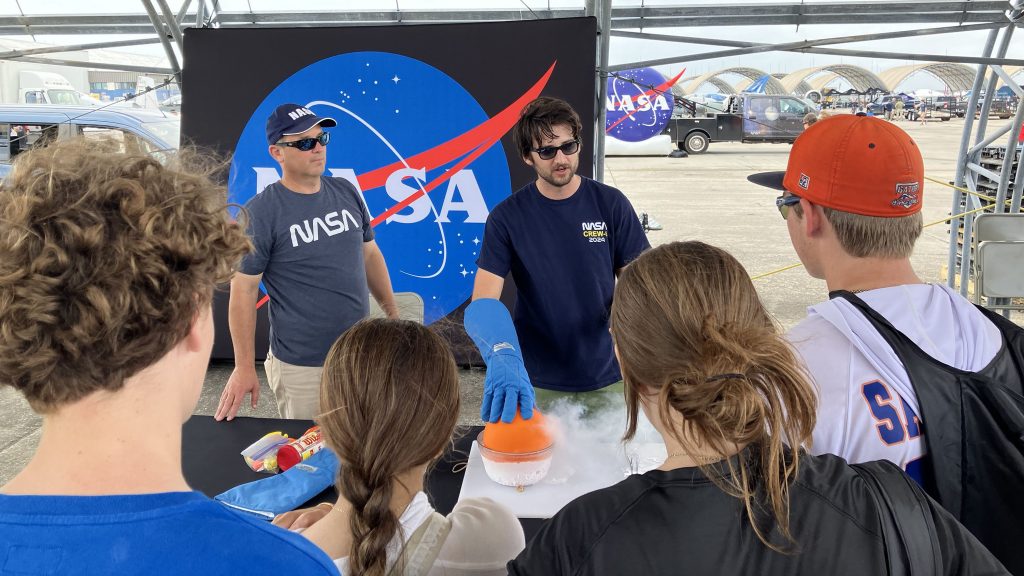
[(166, 533), (563, 255), (309, 248)]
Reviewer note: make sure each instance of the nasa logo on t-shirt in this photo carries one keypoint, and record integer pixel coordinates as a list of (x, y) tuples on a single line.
[(595, 231), (418, 147), (639, 104)]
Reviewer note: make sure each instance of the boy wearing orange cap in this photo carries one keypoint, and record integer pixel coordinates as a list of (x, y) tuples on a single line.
[(890, 354)]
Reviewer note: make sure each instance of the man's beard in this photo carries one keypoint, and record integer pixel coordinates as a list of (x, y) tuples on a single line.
[(550, 178)]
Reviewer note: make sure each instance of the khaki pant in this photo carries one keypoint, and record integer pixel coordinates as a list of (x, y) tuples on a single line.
[(296, 388), (593, 402)]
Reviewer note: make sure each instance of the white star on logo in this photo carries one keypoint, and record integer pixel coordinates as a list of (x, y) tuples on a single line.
[(464, 273), (395, 79), (476, 240)]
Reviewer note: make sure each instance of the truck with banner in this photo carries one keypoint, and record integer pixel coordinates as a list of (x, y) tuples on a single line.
[(743, 118)]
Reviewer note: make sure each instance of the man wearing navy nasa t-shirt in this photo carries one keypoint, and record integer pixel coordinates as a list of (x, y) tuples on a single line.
[(564, 239)]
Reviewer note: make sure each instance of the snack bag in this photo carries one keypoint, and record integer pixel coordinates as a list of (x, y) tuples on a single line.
[(261, 455)]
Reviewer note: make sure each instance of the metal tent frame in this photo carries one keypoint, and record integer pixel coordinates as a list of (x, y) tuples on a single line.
[(999, 17)]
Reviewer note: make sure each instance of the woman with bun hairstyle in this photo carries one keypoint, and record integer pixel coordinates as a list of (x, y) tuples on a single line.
[(390, 396), (703, 360)]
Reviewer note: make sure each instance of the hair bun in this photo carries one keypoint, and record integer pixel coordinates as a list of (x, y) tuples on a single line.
[(727, 376)]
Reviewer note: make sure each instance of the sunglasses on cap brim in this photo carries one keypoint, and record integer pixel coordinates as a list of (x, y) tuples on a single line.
[(307, 144), (783, 203)]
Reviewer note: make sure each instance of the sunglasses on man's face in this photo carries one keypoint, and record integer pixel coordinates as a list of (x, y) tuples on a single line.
[(784, 202), (307, 144), (549, 152)]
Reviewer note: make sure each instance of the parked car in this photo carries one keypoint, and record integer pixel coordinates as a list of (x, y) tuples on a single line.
[(879, 105), (25, 126)]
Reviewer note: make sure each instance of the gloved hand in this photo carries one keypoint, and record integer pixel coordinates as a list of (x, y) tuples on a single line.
[(507, 385)]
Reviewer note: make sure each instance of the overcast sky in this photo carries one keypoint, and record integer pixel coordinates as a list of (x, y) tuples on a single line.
[(623, 50)]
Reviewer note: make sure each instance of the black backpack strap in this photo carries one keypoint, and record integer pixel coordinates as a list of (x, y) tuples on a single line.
[(894, 337), (911, 544), (940, 409)]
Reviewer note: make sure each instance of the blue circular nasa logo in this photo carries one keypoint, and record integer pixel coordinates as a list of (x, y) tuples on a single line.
[(412, 141), (639, 104)]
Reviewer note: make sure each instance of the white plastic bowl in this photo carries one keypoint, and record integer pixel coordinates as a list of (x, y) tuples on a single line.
[(511, 469)]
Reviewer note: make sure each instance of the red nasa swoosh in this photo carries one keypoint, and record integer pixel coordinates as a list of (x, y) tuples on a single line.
[(473, 143), (480, 138), (667, 85)]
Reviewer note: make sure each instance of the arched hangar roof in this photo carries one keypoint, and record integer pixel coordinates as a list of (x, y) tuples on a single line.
[(1013, 72), (956, 76), (680, 88), (800, 89), (773, 87), (859, 78), (820, 81)]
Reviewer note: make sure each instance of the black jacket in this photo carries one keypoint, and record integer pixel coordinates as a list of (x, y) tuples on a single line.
[(678, 522)]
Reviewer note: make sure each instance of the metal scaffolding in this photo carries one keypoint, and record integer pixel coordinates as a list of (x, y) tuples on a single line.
[(971, 172), (992, 67)]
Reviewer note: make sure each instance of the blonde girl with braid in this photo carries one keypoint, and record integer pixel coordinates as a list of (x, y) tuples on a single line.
[(390, 401), (736, 493)]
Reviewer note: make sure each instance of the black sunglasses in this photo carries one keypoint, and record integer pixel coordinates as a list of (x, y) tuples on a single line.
[(549, 152), (784, 202), (307, 144)]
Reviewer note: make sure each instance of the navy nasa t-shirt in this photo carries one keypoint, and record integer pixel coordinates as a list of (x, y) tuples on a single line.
[(563, 255), (309, 248)]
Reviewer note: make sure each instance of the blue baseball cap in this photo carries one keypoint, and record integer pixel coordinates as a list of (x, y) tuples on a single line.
[(290, 119)]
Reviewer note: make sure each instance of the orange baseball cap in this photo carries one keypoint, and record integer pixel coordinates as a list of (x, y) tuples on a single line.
[(857, 164)]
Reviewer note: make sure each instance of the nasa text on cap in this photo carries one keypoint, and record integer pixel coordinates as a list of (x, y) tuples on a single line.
[(857, 164), (289, 119)]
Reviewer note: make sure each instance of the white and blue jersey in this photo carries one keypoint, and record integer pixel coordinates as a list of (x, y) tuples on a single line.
[(867, 407)]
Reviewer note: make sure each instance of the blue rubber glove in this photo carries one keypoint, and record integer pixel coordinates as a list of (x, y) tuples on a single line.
[(507, 384)]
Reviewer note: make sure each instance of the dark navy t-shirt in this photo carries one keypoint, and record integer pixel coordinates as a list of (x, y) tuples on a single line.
[(309, 248), (563, 255)]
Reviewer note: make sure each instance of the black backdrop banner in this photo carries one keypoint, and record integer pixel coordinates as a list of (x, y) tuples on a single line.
[(423, 113)]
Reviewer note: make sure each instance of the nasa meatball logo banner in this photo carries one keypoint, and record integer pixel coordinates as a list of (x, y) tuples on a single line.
[(639, 104), (423, 118), (420, 150)]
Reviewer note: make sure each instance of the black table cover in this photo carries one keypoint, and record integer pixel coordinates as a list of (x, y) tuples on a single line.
[(212, 462)]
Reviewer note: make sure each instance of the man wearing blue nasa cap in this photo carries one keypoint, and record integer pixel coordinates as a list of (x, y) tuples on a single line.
[(316, 256)]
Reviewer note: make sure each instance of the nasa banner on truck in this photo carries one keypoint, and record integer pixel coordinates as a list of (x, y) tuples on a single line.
[(424, 114), (639, 104)]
